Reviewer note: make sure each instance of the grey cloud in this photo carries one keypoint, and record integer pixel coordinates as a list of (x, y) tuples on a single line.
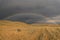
[(31, 18), (55, 19), (49, 8), (28, 18)]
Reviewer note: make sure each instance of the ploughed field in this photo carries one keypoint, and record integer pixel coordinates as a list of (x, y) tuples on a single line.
[(10, 30)]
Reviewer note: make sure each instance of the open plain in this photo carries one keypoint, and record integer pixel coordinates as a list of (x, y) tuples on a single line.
[(10, 30)]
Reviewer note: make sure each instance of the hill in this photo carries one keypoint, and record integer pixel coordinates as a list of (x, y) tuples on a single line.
[(10, 30)]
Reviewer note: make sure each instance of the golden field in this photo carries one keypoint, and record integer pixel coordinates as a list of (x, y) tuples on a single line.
[(10, 30)]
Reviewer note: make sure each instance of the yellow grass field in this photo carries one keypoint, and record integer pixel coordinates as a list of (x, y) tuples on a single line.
[(10, 30)]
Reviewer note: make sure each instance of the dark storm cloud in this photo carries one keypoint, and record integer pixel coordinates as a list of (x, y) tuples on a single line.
[(48, 8), (32, 18), (28, 18), (45, 7)]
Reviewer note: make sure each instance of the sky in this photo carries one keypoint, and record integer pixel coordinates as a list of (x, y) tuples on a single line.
[(30, 11)]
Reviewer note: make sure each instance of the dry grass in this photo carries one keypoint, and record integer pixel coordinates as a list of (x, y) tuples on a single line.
[(20, 31)]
